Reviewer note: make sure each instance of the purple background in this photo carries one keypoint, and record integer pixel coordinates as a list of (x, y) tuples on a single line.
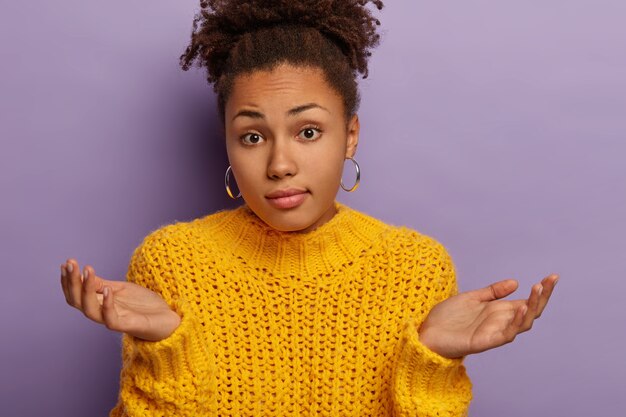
[(496, 127)]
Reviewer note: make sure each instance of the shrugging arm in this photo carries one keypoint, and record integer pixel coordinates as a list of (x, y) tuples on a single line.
[(425, 384), (169, 377)]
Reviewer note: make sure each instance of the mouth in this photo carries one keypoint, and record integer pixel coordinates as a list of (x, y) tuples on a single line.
[(288, 198), (287, 192)]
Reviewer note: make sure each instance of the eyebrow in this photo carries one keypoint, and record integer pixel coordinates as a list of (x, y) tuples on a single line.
[(291, 112)]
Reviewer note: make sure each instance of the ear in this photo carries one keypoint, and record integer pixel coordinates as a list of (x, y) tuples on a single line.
[(352, 139)]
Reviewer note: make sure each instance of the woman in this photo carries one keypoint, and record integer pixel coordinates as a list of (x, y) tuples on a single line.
[(293, 303)]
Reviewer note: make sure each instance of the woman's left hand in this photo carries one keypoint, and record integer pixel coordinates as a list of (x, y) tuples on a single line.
[(478, 320)]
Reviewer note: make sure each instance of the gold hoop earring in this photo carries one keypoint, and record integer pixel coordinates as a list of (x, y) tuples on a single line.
[(358, 177), (227, 184)]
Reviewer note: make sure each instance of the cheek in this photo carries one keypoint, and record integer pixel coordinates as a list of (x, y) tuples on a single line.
[(247, 170), (326, 164), (250, 174)]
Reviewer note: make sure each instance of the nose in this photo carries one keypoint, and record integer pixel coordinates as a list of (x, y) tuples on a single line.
[(281, 162)]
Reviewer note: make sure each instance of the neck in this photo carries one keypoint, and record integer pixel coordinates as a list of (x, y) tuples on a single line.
[(319, 254)]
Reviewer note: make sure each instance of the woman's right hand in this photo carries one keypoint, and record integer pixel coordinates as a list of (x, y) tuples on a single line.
[(119, 305)]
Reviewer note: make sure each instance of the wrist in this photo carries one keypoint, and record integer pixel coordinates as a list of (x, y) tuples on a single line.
[(165, 327), (428, 337), (426, 340), (173, 323)]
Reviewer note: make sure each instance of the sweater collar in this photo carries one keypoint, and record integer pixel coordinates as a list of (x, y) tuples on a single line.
[(324, 250)]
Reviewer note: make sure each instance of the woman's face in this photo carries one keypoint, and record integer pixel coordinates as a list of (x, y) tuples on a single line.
[(285, 129)]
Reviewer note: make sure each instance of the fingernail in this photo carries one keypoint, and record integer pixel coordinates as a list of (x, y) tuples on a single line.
[(86, 273), (540, 290), (70, 267), (63, 271)]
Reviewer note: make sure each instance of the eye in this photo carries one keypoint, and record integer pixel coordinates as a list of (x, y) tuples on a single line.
[(254, 138), (309, 133)]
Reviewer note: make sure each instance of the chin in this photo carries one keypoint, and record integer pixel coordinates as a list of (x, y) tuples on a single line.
[(286, 225), (286, 220)]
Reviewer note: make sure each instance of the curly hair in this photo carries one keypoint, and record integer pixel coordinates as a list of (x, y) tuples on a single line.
[(231, 37)]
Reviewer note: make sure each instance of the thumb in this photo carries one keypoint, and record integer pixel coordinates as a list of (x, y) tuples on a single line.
[(111, 319), (496, 290)]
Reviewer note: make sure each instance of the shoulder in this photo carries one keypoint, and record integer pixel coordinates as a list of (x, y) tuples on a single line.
[(423, 264), (413, 238), (183, 230), (160, 237), (420, 254), (415, 256), (404, 239), (166, 250), (183, 240)]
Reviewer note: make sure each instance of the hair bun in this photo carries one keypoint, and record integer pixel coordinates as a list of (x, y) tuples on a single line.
[(221, 23)]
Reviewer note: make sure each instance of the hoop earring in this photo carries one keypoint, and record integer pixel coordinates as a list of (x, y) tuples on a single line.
[(227, 184), (358, 177)]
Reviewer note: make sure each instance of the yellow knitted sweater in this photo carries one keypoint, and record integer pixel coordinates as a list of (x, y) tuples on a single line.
[(290, 324)]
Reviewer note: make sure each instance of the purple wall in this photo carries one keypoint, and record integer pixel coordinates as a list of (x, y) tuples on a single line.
[(496, 128)]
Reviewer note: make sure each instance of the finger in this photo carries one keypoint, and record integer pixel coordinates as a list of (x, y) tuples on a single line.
[(90, 305), (64, 285), (513, 328), (533, 307), (505, 305), (496, 290), (109, 314), (75, 284), (548, 286)]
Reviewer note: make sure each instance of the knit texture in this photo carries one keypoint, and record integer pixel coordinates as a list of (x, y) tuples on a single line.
[(273, 323)]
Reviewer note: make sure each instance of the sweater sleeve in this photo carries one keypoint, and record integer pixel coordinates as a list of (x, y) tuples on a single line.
[(426, 384), (169, 377)]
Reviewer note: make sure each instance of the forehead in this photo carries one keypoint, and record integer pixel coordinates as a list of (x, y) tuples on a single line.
[(283, 86)]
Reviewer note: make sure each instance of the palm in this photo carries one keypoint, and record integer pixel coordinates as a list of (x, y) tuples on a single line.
[(475, 321), (469, 324), (138, 308), (129, 308)]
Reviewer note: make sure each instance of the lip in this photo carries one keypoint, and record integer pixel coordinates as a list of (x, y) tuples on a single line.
[(287, 192), (287, 199)]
